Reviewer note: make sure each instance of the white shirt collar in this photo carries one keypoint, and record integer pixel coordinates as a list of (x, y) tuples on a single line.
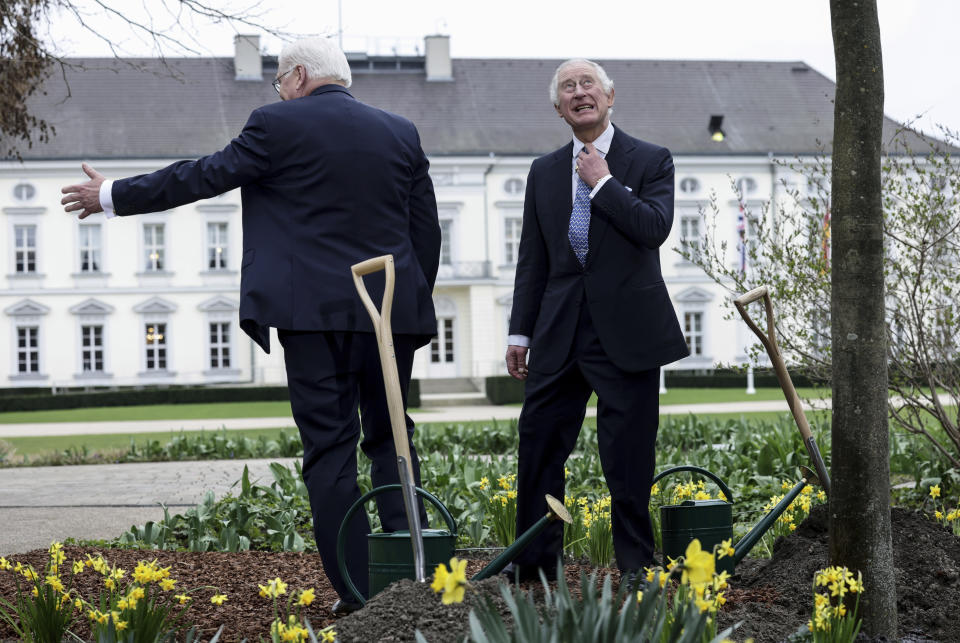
[(602, 143)]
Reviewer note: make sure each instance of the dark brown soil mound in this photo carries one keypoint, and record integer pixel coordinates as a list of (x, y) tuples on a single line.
[(777, 598), (772, 597)]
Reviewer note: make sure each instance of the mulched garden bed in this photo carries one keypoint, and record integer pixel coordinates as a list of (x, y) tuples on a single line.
[(771, 597)]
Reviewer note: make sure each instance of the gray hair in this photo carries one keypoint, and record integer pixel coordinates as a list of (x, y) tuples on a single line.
[(605, 82), (320, 57)]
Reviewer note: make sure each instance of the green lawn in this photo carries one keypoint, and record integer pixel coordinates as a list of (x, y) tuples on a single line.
[(715, 395), (152, 412), (282, 409), (107, 442)]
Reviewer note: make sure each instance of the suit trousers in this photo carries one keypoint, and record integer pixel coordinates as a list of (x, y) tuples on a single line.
[(550, 422), (331, 375)]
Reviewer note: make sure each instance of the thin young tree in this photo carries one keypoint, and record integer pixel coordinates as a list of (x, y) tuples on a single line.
[(860, 532)]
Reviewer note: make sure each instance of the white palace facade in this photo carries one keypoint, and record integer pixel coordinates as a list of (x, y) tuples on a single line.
[(153, 299)]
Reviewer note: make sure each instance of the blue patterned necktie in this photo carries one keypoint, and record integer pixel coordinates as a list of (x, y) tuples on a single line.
[(580, 221)]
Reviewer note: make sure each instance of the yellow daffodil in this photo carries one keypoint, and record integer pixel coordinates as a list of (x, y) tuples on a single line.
[(35, 592), (137, 593), (182, 598), (5, 564), (77, 567), (109, 583), (698, 565), (121, 625), (855, 584), (720, 581), (456, 582), (122, 604), (503, 482), (166, 584), (439, 578), (30, 573), (785, 485), (273, 589), (484, 483), (935, 491), (328, 636), (55, 583), (218, 599), (725, 548), (306, 597)]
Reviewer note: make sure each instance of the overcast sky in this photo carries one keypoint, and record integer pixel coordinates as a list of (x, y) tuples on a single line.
[(921, 62)]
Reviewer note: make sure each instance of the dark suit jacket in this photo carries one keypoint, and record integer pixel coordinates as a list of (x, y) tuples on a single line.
[(326, 181), (621, 281)]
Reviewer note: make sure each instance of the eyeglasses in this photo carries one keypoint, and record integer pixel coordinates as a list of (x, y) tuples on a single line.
[(276, 81)]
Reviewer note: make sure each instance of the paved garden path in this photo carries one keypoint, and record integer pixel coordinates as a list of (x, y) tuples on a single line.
[(42, 504)]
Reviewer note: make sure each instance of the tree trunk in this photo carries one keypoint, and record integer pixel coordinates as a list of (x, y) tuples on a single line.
[(860, 467)]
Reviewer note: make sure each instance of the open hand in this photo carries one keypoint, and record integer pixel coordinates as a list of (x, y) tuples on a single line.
[(84, 196)]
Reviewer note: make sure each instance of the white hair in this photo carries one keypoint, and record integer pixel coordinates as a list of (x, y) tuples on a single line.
[(320, 57), (605, 82)]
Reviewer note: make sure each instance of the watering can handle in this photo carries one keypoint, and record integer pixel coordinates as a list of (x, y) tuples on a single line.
[(342, 534), (689, 467)]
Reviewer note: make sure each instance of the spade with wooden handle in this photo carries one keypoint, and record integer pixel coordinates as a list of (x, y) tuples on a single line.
[(769, 341), (391, 381)]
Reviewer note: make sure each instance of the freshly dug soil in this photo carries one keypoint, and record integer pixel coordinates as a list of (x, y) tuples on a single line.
[(772, 598), (777, 596)]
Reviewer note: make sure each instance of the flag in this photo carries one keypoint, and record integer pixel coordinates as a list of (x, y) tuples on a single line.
[(742, 236)]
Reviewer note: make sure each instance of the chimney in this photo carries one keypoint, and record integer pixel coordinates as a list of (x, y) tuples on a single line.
[(439, 67), (246, 58)]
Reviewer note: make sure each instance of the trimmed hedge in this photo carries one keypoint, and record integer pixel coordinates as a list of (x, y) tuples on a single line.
[(42, 399), (503, 389)]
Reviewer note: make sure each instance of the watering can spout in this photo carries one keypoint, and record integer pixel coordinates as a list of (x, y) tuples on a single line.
[(555, 511), (742, 548)]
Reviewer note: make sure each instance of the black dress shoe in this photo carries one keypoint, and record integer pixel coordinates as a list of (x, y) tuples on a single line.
[(343, 607), (634, 580)]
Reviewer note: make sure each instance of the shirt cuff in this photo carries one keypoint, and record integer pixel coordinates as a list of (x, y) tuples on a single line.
[(599, 185), (106, 198), (518, 340)]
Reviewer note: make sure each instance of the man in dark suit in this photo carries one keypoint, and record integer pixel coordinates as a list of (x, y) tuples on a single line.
[(326, 182), (590, 304)]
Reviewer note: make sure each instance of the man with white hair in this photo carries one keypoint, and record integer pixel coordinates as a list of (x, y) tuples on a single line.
[(590, 305), (326, 182)]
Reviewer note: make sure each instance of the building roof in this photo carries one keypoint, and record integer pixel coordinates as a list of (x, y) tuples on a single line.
[(105, 108)]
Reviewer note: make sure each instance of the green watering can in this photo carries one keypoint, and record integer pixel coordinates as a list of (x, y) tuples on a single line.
[(711, 521), (390, 556)]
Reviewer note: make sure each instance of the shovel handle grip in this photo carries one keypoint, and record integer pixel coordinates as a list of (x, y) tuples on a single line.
[(751, 296), (768, 339), (381, 318)]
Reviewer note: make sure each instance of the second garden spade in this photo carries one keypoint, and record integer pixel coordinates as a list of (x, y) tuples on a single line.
[(391, 381), (769, 341)]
